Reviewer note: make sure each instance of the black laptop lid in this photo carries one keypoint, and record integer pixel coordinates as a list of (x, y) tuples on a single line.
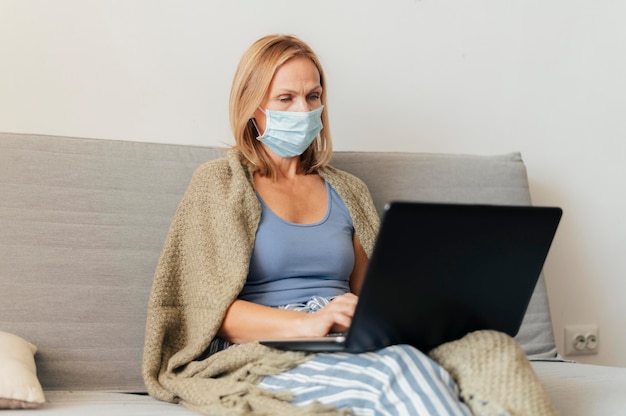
[(440, 271)]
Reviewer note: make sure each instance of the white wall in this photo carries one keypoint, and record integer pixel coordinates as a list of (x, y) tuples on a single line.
[(486, 76)]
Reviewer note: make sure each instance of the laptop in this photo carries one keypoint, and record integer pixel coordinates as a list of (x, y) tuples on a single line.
[(440, 271)]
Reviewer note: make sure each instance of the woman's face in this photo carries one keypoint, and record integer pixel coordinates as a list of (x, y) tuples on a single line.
[(295, 87)]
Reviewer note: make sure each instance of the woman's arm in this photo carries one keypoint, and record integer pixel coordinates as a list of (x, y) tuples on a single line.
[(247, 321), (360, 264)]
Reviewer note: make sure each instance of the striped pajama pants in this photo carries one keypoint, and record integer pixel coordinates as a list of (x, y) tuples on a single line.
[(397, 380)]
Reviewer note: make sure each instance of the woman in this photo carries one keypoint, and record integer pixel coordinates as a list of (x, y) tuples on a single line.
[(287, 108), (260, 237)]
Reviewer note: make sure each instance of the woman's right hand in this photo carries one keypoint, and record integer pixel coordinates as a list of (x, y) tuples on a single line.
[(334, 317)]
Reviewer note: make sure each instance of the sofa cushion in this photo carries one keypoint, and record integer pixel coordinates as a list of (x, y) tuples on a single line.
[(19, 386), (82, 225), (583, 389), (99, 403)]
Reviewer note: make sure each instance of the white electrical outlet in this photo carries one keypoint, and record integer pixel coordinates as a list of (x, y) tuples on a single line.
[(581, 339)]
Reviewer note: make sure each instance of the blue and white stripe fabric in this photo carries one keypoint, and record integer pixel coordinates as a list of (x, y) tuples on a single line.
[(397, 380), (314, 304), (394, 381)]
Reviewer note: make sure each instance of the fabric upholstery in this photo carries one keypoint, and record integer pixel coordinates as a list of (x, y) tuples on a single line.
[(82, 223), (583, 389), (101, 403)]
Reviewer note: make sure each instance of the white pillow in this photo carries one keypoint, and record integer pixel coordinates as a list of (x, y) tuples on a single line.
[(19, 386)]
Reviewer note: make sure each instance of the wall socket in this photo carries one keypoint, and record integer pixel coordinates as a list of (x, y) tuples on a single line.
[(581, 339)]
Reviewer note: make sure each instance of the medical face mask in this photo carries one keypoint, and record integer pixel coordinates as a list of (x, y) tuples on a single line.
[(290, 133)]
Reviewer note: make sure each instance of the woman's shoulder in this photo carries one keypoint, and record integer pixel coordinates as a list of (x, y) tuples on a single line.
[(221, 173), (222, 167), (212, 167), (342, 177)]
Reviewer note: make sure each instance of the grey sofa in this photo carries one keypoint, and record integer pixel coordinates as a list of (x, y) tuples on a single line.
[(82, 223)]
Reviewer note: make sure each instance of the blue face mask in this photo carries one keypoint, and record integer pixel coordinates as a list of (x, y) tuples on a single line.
[(290, 133)]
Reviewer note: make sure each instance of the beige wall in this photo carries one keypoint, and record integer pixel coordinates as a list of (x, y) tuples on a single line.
[(489, 76)]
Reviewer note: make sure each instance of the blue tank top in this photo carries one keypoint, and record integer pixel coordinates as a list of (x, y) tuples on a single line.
[(291, 262)]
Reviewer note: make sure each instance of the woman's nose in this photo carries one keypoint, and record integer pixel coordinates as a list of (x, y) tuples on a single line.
[(302, 105)]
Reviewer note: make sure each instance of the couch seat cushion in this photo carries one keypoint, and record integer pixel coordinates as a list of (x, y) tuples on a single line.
[(583, 389), (96, 403)]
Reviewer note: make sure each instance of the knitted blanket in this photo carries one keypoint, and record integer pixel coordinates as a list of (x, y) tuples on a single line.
[(202, 268), (494, 375)]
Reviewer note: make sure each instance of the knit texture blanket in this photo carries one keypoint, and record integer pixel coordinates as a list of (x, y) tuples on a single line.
[(494, 375), (202, 269)]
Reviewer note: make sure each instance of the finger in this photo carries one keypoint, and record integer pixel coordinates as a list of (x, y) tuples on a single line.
[(342, 323), (346, 299)]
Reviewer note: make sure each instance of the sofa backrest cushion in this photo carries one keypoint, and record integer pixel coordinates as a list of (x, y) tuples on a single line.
[(82, 223)]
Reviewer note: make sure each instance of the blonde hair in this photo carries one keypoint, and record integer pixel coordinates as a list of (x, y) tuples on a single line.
[(250, 84)]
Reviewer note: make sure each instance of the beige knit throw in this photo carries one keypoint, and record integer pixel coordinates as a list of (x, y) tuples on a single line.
[(202, 269), (494, 375)]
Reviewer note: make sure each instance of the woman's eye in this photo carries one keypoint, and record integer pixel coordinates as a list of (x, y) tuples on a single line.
[(284, 99), (314, 97)]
